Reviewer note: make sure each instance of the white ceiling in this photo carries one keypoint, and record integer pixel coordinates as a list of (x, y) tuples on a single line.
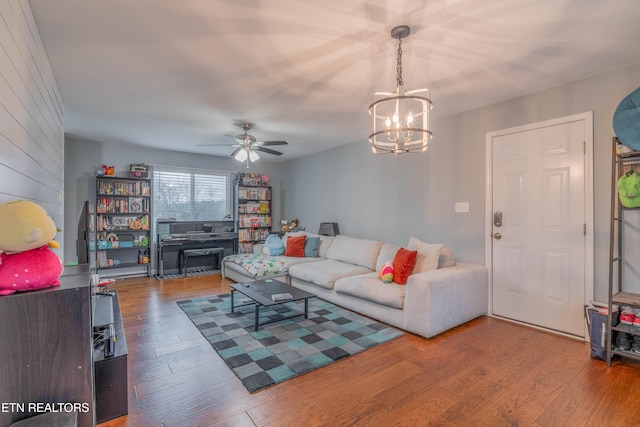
[(174, 74)]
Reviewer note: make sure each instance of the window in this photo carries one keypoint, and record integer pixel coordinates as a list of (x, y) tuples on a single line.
[(189, 195)]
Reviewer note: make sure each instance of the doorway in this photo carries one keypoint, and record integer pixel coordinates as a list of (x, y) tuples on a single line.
[(539, 242)]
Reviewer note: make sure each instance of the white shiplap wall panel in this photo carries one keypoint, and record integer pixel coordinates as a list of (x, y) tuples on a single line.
[(23, 85), (35, 88), (41, 58), (12, 155), (20, 128), (31, 115)]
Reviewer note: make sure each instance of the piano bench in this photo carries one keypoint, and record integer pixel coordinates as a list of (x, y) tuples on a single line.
[(185, 254)]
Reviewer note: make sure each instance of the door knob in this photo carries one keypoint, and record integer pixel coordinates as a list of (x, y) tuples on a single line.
[(497, 236)]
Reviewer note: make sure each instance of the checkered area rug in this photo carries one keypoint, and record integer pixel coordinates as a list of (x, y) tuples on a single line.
[(282, 350), (189, 274)]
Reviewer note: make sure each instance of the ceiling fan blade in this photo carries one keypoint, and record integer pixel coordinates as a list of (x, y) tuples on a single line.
[(235, 151), (266, 150), (217, 145), (267, 143)]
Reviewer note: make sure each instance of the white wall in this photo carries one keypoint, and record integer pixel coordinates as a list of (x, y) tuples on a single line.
[(84, 158), (391, 198), (31, 115)]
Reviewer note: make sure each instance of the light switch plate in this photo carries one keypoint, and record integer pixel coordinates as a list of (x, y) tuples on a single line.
[(462, 207)]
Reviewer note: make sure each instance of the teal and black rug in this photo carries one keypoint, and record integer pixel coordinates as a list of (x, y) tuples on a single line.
[(189, 274), (282, 350)]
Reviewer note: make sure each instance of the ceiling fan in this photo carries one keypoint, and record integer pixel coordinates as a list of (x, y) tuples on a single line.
[(248, 146)]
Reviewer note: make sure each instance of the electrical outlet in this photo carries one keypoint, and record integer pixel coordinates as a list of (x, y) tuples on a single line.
[(462, 207)]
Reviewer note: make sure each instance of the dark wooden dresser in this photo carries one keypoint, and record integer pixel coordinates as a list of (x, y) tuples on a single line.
[(45, 350)]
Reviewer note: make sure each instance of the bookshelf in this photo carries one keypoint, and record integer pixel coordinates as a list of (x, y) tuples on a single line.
[(253, 201), (123, 235)]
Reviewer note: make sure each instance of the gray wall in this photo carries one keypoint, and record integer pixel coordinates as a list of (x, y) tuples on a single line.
[(391, 198), (31, 136), (84, 158)]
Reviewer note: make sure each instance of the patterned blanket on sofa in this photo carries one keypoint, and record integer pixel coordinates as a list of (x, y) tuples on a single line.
[(258, 265)]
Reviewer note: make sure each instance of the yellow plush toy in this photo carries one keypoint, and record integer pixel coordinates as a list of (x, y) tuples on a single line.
[(26, 263), (25, 225)]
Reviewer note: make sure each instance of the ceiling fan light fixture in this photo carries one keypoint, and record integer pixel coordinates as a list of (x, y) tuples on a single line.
[(241, 155), (247, 146), (400, 118)]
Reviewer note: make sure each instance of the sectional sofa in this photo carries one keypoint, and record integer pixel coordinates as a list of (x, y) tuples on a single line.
[(439, 293)]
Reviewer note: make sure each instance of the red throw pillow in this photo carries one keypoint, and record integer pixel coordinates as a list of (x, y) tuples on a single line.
[(403, 264), (295, 246)]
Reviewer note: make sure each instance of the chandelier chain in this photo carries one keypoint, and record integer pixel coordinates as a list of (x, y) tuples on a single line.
[(399, 64)]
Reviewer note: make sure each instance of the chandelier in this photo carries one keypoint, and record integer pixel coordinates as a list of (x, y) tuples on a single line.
[(400, 118)]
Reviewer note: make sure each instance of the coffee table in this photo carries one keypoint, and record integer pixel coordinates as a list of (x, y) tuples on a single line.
[(261, 294)]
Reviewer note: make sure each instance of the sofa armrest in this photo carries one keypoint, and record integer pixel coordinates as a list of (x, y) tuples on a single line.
[(440, 299)]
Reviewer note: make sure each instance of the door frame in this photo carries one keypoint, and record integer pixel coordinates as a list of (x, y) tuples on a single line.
[(589, 207)]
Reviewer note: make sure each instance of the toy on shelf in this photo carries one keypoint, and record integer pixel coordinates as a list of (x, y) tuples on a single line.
[(26, 262), (138, 170), (109, 170), (291, 225)]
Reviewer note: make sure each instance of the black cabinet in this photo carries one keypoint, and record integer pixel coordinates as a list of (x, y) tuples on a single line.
[(111, 373), (45, 351)]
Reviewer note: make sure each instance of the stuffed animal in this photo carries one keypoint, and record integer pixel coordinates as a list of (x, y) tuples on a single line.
[(273, 245), (25, 225), (109, 170), (386, 272), (28, 270), (26, 263)]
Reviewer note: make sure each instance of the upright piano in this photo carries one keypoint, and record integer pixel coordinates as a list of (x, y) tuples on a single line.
[(176, 235)]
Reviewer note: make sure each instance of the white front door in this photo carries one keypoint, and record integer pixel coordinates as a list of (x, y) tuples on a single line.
[(538, 230)]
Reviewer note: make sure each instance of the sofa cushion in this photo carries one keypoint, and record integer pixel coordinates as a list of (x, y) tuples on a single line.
[(325, 272), (351, 250), (387, 254), (325, 243), (368, 286), (428, 255), (295, 246), (323, 247), (311, 245), (403, 265), (447, 258), (288, 234)]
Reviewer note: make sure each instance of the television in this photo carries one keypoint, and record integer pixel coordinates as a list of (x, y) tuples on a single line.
[(85, 243)]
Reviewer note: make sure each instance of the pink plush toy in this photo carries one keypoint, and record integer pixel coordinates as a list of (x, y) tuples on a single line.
[(28, 270), (26, 263)]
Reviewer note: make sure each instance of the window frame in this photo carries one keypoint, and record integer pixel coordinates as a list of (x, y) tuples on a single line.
[(192, 191)]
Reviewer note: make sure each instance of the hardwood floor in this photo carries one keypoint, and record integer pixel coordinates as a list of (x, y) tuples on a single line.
[(487, 372)]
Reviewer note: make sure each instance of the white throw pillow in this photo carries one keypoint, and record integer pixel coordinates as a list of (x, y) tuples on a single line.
[(387, 253), (428, 255)]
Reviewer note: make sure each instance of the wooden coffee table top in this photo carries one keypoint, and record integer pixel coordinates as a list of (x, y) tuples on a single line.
[(261, 291)]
